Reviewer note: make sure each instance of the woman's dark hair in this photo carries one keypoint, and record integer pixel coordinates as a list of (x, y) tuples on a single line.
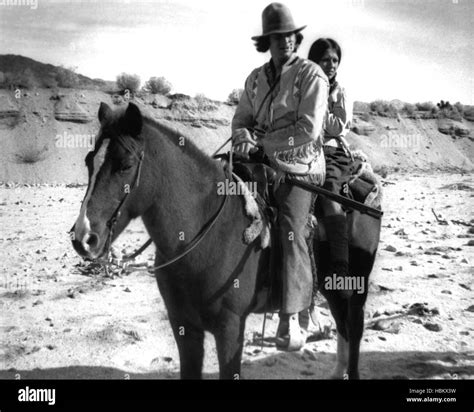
[(319, 47), (262, 44)]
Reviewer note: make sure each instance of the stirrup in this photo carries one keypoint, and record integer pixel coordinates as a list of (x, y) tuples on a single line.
[(295, 337)]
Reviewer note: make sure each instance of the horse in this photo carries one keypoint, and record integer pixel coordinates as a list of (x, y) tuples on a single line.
[(141, 167)]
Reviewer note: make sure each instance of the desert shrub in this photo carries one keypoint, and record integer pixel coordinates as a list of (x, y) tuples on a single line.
[(234, 96), (449, 112), (409, 109), (158, 85), (66, 77), (468, 112), (50, 82), (443, 105), (425, 106), (23, 80), (460, 108), (205, 104), (365, 117), (129, 82), (383, 108)]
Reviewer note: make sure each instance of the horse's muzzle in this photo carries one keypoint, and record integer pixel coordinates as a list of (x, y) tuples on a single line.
[(88, 245)]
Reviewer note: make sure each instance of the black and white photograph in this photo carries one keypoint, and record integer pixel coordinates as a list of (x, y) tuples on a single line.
[(247, 191)]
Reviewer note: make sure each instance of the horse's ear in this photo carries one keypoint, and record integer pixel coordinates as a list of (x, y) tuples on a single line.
[(104, 112), (133, 121)]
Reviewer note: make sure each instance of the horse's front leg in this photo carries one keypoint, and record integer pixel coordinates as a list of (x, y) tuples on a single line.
[(229, 335), (186, 325)]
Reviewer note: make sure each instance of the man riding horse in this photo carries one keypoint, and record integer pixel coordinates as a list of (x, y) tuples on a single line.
[(282, 109)]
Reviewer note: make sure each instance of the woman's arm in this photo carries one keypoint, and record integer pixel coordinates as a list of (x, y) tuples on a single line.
[(338, 119)]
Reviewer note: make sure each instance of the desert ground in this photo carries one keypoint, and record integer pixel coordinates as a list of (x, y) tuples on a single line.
[(64, 320)]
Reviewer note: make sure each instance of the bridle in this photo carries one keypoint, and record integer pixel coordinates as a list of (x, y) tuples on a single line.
[(116, 215)]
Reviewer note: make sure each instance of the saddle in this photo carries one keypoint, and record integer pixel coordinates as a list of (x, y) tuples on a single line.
[(362, 187)]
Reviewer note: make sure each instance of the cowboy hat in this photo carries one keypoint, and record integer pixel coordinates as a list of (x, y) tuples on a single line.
[(277, 18)]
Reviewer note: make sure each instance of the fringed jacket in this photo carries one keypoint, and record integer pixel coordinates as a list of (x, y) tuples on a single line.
[(289, 120)]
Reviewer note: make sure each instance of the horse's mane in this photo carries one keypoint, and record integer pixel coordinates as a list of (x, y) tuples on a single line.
[(174, 136)]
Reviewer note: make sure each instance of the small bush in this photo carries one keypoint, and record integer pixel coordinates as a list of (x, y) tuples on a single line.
[(205, 104), (23, 80), (129, 82), (459, 107), (384, 108), (66, 77), (468, 113), (234, 96), (409, 109), (425, 106), (443, 105), (158, 85), (449, 112)]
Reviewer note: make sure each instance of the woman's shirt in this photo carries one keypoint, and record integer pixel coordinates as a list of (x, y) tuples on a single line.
[(291, 118), (338, 117)]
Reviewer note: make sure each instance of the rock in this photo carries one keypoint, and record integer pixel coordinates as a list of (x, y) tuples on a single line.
[(400, 232), (447, 292), (464, 333), (363, 128), (433, 327), (386, 325), (67, 110), (390, 248), (470, 242), (470, 308)]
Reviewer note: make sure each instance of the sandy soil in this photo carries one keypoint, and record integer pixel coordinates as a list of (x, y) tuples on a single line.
[(58, 322)]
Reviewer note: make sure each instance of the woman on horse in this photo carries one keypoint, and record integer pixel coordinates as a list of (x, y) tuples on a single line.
[(282, 109), (340, 165)]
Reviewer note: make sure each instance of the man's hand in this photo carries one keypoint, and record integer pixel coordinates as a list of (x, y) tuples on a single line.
[(243, 142)]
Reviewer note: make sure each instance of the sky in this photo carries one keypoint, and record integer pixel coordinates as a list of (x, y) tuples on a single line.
[(412, 50)]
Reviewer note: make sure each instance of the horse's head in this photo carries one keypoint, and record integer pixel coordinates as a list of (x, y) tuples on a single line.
[(114, 173)]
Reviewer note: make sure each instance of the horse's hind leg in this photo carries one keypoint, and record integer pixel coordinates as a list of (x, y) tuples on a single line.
[(339, 309), (355, 329), (229, 335)]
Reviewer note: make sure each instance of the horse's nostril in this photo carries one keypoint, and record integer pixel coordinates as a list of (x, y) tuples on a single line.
[(92, 240)]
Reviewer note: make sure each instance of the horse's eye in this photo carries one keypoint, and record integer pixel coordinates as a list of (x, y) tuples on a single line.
[(125, 167)]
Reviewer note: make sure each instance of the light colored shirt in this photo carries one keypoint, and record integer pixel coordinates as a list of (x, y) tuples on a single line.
[(291, 118), (338, 117)]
